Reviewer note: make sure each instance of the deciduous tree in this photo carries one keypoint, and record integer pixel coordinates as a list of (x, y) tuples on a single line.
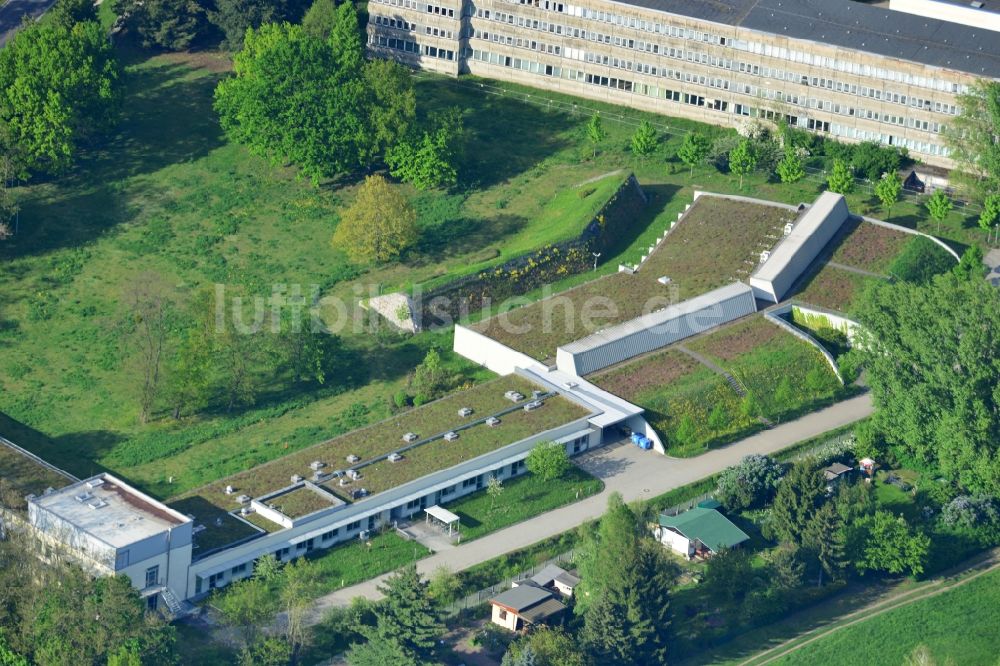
[(933, 356), (694, 150), (545, 646), (972, 137), (751, 483), (790, 168), (431, 160), (548, 461), (887, 190), (168, 24), (990, 216), (742, 160), (59, 87), (971, 266), (644, 140), (938, 206), (379, 225), (320, 18), (595, 131), (840, 180), (891, 545)]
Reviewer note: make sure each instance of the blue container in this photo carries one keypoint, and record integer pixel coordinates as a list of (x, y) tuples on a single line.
[(637, 438)]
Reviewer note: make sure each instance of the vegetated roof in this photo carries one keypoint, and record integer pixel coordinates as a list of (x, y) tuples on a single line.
[(853, 25), (26, 475), (708, 526)]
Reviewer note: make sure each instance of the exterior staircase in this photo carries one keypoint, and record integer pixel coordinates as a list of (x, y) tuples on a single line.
[(176, 607)]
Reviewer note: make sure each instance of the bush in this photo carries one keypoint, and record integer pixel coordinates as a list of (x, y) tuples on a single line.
[(751, 483), (548, 461), (401, 399), (920, 260), (970, 511)]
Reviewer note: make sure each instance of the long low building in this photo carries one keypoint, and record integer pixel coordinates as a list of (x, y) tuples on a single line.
[(656, 329), (835, 67)]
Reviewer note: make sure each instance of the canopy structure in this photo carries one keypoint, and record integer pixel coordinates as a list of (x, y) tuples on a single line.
[(442, 516)]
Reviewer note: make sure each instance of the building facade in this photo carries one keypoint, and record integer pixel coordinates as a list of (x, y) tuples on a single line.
[(835, 67)]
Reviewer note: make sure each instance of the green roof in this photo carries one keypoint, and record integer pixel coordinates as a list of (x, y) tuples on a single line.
[(708, 526)]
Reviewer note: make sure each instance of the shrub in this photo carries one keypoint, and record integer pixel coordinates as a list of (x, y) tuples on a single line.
[(401, 399), (548, 460), (920, 260), (751, 483), (970, 511)]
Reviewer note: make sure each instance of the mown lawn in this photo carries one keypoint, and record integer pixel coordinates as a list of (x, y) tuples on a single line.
[(959, 626), (520, 500), (358, 561)]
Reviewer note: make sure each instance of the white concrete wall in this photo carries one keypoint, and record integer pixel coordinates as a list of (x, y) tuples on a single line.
[(676, 542), (848, 327), (485, 351), (508, 622)]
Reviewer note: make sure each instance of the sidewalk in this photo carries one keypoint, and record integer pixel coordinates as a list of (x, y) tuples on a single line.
[(636, 474)]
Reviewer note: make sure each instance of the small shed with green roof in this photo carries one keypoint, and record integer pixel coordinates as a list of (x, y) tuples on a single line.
[(700, 531)]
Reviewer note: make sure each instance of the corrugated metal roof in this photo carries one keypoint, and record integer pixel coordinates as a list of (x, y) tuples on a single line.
[(658, 318), (852, 25), (522, 597)]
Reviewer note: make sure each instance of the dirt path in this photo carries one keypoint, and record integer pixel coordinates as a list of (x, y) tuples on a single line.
[(932, 588), (600, 177), (853, 269)]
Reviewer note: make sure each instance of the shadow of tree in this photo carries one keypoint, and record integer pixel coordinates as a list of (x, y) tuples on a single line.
[(76, 453)]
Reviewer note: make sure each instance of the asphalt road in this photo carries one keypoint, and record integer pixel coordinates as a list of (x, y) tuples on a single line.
[(13, 11), (626, 469)]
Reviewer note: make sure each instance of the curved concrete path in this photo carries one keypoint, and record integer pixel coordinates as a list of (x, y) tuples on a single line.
[(624, 468)]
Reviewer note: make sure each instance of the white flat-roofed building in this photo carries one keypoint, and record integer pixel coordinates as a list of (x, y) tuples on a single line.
[(112, 528), (790, 258)]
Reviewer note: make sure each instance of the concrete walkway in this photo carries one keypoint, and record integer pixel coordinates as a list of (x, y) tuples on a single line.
[(853, 269), (992, 261), (636, 474)]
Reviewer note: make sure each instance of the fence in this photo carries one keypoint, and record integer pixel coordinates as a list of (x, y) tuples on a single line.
[(482, 596)]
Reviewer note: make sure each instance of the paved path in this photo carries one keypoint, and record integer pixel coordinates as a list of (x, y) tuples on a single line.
[(735, 385), (12, 12), (636, 474), (853, 269)]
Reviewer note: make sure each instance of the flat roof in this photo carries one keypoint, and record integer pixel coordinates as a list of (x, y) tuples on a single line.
[(442, 514), (522, 597), (853, 25), (108, 509), (606, 408)]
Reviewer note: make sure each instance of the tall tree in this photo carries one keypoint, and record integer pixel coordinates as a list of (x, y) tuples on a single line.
[(887, 190), (938, 205), (545, 646), (379, 225), (742, 159), (598, 562), (68, 13), (990, 216), (974, 137), (933, 357), (694, 150), (429, 161), (795, 503), (824, 538), (595, 131), (319, 20), (407, 620), (891, 545), (235, 17), (59, 87), (790, 168), (291, 100), (148, 324), (644, 140), (392, 110), (840, 180), (168, 24), (8, 205), (346, 38), (971, 266)]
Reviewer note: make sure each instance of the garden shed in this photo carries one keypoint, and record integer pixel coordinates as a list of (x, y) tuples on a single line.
[(700, 532)]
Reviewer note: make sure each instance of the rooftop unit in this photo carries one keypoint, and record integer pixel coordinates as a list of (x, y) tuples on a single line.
[(94, 483), (230, 490), (788, 227), (243, 499), (353, 458), (513, 396), (533, 405), (465, 411), (358, 493), (765, 255), (316, 465), (492, 421), (296, 478), (410, 437), (664, 280), (354, 474), (451, 436), (395, 457), (97, 503)]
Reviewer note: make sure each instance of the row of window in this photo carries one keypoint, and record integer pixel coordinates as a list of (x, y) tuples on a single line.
[(692, 99), (760, 48), (708, 59), (396, 23)]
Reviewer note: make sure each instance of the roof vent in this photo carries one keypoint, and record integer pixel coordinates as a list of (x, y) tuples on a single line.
[(451, 436), (316, 465), (663, 280), (533, 405), (354, 474), (765, 255), (243, 499), (95, 483), (492, 421), (465, 411), (82, 497), (353, 458), (788, 228), (410, 437), (97, 504), (395, 457), (296, 478), (229, 490), (976, 4)]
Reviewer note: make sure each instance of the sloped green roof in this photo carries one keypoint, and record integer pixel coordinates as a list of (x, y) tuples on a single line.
[(708, 526)]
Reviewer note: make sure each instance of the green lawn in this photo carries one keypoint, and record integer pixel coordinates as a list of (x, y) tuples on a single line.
[(357, 561), (521, 499), (960, 626)]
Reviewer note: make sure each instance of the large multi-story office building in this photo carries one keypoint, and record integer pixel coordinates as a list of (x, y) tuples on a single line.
[(835, 67)]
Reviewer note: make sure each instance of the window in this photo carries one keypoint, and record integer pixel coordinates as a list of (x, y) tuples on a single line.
[(327, 536), (152, 575), (503, 615), (356, 525), (121, 560)]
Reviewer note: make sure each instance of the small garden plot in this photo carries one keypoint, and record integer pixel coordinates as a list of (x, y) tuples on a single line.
[(20, 476), (869, 246), (649, 372), (833, 288), (302, 501), (209, 502), (709, 249)]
